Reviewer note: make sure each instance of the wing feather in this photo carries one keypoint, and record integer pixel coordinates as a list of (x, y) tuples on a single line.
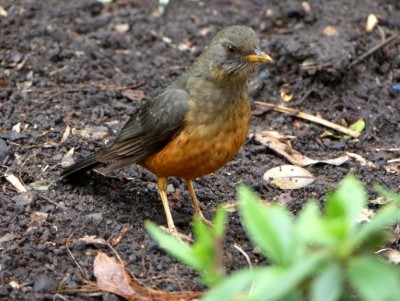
[(149, 130)]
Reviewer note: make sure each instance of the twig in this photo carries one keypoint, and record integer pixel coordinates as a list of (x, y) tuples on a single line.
[(72, 256), (372, 50), (309, 117), (248, 262), (104, 88), (300, 101), (244, 254), (52, 202)]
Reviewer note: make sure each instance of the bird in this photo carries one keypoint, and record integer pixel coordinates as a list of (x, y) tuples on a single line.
[(193, 126)]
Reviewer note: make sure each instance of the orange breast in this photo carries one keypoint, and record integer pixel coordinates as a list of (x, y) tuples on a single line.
[(200, 149)]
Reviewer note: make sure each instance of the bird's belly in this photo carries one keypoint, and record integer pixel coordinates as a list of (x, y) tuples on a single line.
[(199, 150)]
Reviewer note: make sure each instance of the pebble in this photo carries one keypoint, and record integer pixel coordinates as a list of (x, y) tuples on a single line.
[(96, 217), (3, 147), (44, 283)]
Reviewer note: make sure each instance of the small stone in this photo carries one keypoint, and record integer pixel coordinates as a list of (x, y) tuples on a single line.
[(25, 198), (96, 217), (170, 188), (3, 147), (44, 283), (12, 135)]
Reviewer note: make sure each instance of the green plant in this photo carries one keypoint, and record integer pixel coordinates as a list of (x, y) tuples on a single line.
[(315, 256), (205, 255)]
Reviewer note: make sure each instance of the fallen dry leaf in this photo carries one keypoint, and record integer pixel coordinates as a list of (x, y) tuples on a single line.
[(292, 155), (380, 200), (93, 239), (112, 277), (65, 135), (361, 160), (289, 177), (14, 181), (365, 215), (67, 159)]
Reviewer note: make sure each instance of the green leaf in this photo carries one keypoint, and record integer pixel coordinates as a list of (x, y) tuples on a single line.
[(310, 227), (237, 285), (327, 286), (386, 216), (358, 126), (374, 280), (289, 280), (174, 246), (208, 250), (208, 247), (269, 228), (219, 222), (344, 206), (203, 246)]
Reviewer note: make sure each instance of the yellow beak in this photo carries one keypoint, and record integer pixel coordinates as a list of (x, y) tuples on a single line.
[(259, 57)]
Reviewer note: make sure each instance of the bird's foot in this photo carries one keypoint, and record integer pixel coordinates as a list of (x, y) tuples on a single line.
[(177, 234), (204, 220)]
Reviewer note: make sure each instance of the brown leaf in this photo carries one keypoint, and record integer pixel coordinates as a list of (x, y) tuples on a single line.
[(292, 155), (112, 277), (115, 241)]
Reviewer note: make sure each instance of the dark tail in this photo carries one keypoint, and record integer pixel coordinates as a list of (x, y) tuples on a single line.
[(85, 164)]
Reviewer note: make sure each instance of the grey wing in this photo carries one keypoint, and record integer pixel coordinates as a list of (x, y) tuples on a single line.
[(149, 130)]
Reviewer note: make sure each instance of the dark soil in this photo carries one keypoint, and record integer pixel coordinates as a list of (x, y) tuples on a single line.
[(71, 62)]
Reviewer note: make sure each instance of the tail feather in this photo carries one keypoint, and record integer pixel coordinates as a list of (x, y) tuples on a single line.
[(85, 164)]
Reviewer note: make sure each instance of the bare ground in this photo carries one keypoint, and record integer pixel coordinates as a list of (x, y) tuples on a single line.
[(72, 63)]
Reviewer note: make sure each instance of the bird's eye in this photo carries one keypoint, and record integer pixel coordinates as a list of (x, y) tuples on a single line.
[(231, 48)]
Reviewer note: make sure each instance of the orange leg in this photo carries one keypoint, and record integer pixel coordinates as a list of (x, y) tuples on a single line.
[(162, 190), (195, 202)]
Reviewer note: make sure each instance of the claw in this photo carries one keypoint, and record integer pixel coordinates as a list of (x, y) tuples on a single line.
[(177, 234)]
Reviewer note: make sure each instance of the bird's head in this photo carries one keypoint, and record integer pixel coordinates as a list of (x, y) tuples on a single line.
[(233, 52)]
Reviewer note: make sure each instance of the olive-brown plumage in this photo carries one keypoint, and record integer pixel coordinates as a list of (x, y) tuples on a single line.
[(196, 124)]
